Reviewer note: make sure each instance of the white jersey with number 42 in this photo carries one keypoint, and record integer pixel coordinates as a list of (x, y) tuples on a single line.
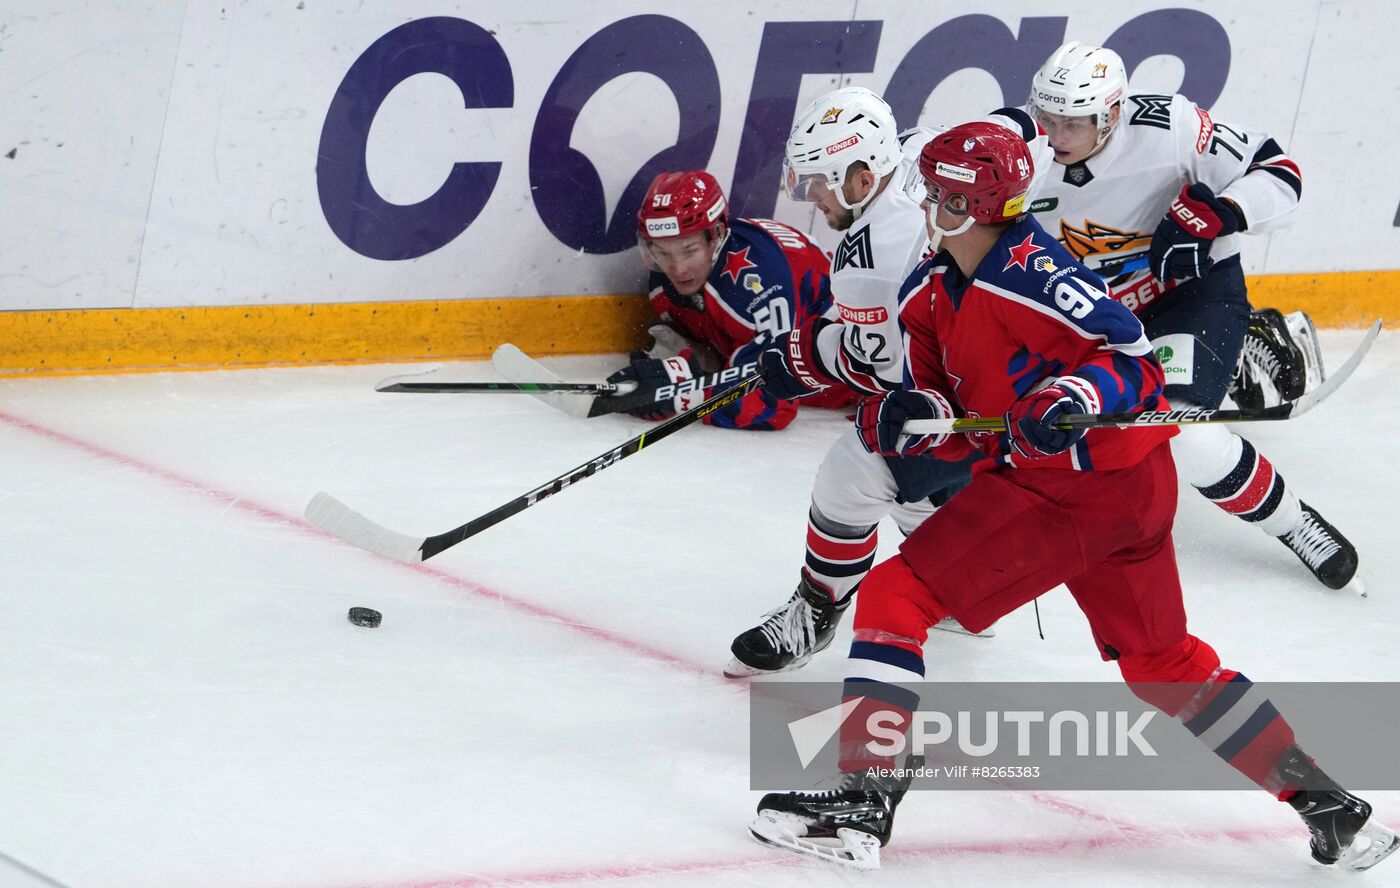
[(882, 248)]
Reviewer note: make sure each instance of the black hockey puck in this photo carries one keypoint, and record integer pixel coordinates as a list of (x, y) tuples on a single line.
[(365, 616)]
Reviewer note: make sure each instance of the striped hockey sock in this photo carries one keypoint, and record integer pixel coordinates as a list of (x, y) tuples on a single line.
[(1240, 724), (878, 673), (838, 557), (1254, 491)]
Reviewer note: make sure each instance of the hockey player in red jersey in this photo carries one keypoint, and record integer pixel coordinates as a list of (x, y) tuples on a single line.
[(1153, 177), (722, 292), (1003, 321), (844, 155)]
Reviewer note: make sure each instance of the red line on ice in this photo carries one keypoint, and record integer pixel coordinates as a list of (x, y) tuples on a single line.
[(243, 504), (1125, 838)]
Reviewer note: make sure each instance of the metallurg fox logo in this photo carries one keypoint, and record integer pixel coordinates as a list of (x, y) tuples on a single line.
[(1098, 246)]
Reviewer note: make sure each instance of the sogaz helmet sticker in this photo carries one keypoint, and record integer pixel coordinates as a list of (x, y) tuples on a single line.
[(1177, 355)]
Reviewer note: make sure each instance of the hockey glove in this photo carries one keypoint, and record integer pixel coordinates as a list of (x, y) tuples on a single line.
[(651, 374), (1030, 422), (880, 421), (790, 367), (1181, 244)]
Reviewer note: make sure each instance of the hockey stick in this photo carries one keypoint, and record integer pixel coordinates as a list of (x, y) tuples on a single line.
[(330, 514), (1186, 416), (505, 388), (1122, 266), (518, 367)]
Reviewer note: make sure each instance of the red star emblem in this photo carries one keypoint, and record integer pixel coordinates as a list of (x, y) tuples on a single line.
[(1022, 252), (736, 264)]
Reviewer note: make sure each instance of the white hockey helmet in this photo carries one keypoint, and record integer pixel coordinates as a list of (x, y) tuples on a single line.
[(844, 126), (1079, 80)]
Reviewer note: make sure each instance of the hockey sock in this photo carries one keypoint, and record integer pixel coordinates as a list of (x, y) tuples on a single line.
[(838, 556), (878, 679), (1225, 711), (1229, 472), (892, 619)]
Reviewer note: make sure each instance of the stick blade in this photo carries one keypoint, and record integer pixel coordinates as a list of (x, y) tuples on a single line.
[(338, 519), (1335, 379), (515, 366), (394, 383)]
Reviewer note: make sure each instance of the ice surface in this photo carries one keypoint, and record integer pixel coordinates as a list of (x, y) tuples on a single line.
[(185, 703)]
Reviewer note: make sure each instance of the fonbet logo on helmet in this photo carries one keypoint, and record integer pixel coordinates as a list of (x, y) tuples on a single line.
[(843, 144)]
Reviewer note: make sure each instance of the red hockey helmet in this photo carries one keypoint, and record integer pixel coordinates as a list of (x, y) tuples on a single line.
[(980, 168), (683, 203)]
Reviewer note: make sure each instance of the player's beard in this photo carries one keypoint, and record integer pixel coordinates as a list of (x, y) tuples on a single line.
[(842, 220)]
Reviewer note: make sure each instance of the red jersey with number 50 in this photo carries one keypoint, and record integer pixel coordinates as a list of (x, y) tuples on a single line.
[(769, 279)]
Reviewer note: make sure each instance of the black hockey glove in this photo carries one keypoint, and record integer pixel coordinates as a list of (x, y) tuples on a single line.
[(1181, 243), (790, 367), (651, 374)]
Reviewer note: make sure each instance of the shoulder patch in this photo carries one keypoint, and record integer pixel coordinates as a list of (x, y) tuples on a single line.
[(1151, 110), (854, 251)]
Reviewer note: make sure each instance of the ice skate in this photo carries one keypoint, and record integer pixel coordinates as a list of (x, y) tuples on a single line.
[(790, 635), (1343, 833), (1272, 368), (1329, 555), (847, 825), (1304, 334)]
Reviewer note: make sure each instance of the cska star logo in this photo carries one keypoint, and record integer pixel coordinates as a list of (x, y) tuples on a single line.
[(736, 263), (1096, 245), (1022, 252)]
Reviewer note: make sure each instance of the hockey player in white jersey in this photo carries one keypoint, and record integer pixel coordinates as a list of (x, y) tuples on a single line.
[(845, 156), (1154, 177)]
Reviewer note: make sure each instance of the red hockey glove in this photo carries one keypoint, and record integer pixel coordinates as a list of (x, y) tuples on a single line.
[(790, 367), (1181, 243), (1030, 422), (880, 420)]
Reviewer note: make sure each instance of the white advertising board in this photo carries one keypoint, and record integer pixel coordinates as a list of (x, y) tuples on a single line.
[(343, 152)]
